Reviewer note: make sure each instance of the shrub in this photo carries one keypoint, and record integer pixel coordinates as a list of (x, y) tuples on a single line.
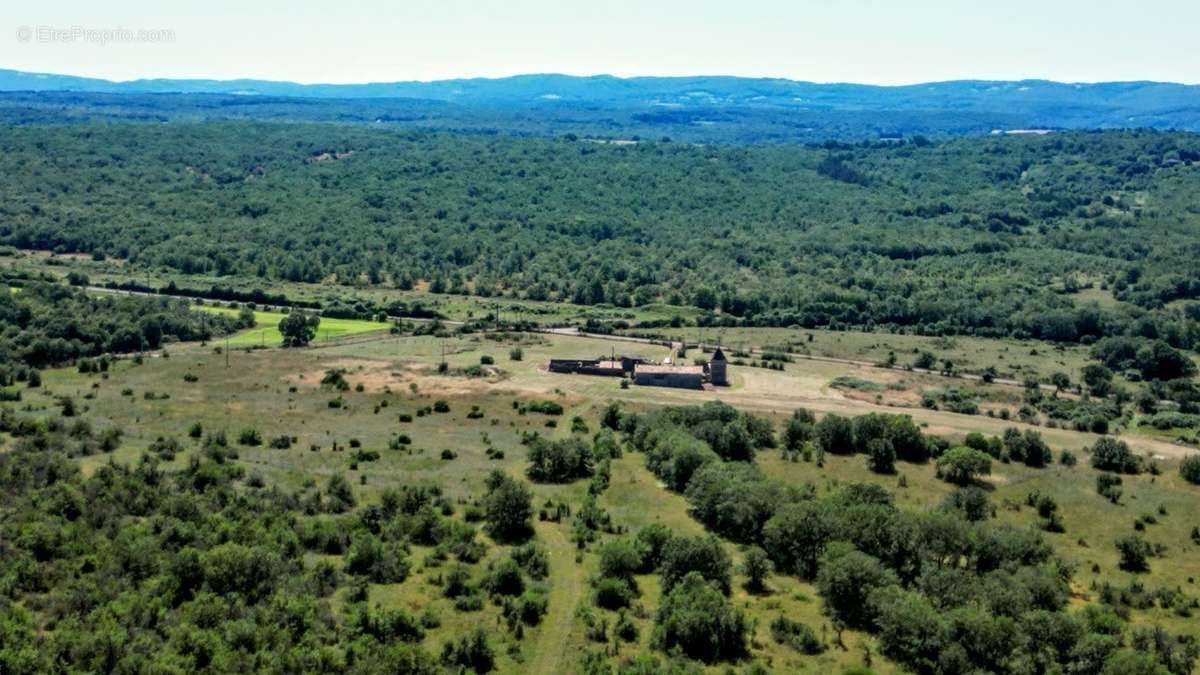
[(846, 577), (441, 406), (560, 461), (457, 582), (1108, 485), (961, 465), (250, 436), (472, 602), (795, 536), (531, 607), (798, 430), (704, 556), (281, 442), (652, 540), (533, 559), (756, 566), (382, 563), (505, 579), (696, 619), (472, 652), (1109, 454), (1135, 553), (340, 494), (516, 354), (486, 360), (796, 635), (545, 407), (834, 434), (970, 502), (613, 593), (620, 559), (508, 507), (336, 378), (1189, 469), (881, 456), (624, 628), (166, 448)]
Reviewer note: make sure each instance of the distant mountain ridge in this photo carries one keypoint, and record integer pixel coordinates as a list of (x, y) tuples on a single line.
[(707, 90), (791, 106)]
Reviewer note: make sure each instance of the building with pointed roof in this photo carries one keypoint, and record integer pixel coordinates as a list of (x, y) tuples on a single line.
[(716, 369)]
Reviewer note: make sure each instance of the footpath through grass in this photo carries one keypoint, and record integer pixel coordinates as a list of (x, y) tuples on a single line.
[(266, 329)]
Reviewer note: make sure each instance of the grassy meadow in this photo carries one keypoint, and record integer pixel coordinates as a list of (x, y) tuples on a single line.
[(265, 332), (278, 392)]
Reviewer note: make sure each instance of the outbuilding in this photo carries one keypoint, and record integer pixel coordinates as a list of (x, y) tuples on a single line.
[(681, 377)]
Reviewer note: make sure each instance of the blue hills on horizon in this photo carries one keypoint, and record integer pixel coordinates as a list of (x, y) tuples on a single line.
[(549, 103)]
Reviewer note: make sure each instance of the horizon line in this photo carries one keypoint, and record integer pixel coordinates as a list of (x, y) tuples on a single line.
[(303, 83)]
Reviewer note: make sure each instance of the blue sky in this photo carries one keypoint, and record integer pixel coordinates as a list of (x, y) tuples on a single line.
[(869, 41)]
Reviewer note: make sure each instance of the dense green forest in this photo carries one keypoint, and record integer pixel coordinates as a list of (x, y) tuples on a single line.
[(987, 236), (48, 324)]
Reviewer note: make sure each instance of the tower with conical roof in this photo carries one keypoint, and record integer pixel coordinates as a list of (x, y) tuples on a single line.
[(716, 369)]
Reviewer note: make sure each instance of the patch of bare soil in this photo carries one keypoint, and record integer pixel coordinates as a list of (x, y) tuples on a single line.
[(377, 375), (327, 156), (896, 398), (355, 369)]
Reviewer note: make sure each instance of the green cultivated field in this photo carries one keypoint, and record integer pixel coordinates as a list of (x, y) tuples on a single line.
[(266, 329)]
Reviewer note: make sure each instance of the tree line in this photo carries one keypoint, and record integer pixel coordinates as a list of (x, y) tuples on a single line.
[(984, 236)]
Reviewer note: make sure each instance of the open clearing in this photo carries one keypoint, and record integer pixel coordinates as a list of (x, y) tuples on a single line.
[(265, 332)]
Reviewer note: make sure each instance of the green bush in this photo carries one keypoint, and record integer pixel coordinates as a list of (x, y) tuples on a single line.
[(846, 577), (613, 593), (544, 407), (696, 619), (1110, 454), (1134, 553), (471, 652), (796, 635), (250, 436), (962, 465), (1189, 469)]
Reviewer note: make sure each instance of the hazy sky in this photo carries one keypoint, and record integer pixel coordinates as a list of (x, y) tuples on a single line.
[(873, 41)]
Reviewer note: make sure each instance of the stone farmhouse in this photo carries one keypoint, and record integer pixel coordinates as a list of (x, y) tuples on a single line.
[(642, 372)]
